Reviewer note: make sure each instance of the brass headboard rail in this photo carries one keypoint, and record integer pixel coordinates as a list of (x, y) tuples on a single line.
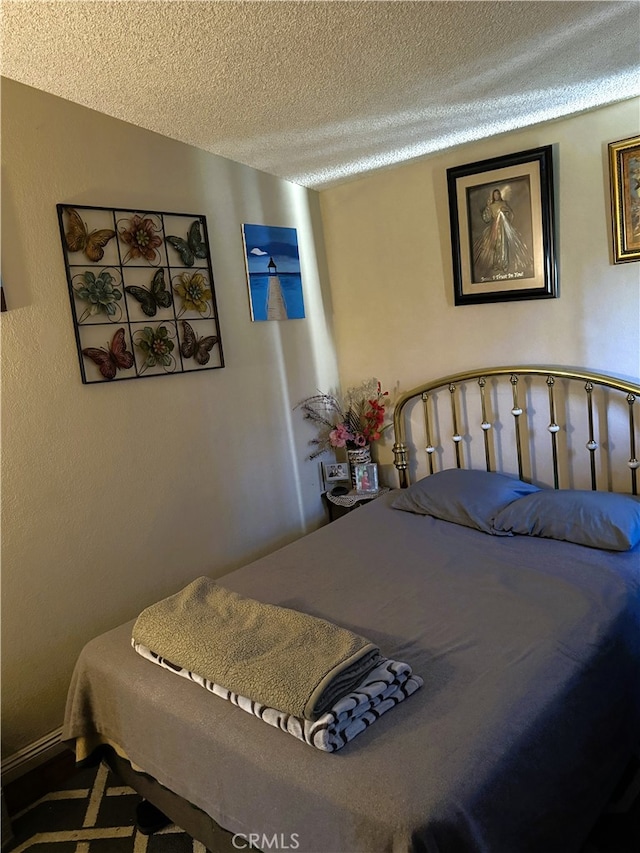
[(551, 374)]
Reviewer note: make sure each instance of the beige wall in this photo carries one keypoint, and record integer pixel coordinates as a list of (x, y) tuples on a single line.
[(389, 255), (116, 495)]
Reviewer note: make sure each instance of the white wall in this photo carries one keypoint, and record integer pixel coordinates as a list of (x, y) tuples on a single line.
[(389, 255), (115, 495)]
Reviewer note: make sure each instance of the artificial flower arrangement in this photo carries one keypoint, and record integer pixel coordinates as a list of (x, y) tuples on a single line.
[(351, 421)]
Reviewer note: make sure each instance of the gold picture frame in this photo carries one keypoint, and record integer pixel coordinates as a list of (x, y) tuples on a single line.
[(624, 165)]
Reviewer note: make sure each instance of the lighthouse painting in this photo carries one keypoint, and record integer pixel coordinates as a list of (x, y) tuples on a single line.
[(273, 272)]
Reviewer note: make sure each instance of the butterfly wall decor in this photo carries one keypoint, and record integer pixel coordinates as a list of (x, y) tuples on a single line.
[(123, 267), (116, 357), (78, 238), (194, 347), (191, 248), (157, 296)]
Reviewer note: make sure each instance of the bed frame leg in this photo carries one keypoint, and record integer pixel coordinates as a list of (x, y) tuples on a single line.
[(150, 819)]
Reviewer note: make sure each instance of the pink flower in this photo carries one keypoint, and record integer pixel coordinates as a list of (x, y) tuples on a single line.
[(340, 436), (360, 440)]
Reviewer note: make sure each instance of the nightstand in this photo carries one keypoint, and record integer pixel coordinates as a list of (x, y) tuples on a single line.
[(339, 505)]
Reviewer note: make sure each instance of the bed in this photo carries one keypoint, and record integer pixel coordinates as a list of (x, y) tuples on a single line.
[(528, 644)]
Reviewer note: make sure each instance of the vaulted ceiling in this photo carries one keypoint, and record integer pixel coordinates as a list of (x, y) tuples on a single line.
[(320, 92)]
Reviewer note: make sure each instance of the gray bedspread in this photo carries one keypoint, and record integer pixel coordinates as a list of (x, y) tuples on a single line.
[(530, 653)]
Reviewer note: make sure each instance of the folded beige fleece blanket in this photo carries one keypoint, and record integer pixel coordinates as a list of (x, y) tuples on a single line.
[(279, 657)]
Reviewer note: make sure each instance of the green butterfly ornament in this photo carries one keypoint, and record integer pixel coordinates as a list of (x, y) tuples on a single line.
[(191, 248), (157, 296)]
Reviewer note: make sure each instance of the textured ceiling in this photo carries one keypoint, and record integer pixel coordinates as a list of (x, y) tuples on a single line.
[(319, 92)]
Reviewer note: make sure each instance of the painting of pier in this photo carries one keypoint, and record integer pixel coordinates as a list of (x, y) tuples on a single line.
[(273, 272)]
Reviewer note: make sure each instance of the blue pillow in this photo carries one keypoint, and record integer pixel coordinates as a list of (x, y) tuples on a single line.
[(470, 498), (598, 519)]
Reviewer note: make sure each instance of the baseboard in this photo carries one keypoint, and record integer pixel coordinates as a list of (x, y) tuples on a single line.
[(32, 756)]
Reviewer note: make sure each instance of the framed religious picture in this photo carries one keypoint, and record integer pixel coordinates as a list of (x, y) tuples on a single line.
[(502, 228), (624, 165)]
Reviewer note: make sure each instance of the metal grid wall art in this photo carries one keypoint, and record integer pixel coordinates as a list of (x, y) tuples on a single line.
[(141, 290)]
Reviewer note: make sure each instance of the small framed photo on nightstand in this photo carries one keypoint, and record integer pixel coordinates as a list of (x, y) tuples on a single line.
[(366, 477), (334, 473)]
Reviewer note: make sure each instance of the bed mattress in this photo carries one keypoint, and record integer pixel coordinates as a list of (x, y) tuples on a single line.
[(530, 654)]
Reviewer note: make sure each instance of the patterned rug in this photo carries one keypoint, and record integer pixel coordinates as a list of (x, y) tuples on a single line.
[(94, 813)]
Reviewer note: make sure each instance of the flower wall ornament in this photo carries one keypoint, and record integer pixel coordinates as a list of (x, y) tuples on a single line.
[(156, 345), (194, 291), (101, 294), (352, 421), (141, 235)]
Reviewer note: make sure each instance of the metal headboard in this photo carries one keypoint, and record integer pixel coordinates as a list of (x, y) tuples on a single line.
[(480, 407)]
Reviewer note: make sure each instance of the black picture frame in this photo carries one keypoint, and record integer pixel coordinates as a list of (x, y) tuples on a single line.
[(503, 228)]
